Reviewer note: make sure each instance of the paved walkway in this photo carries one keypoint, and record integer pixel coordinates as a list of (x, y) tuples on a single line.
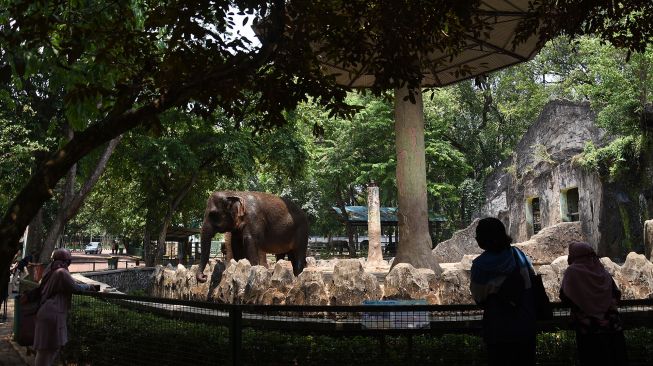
[(10, 352)]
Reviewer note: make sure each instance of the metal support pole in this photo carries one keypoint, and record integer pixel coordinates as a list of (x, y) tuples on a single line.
[(235, 333)]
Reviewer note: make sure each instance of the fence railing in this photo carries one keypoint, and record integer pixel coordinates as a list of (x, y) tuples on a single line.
[(117, 329), (93, 266)]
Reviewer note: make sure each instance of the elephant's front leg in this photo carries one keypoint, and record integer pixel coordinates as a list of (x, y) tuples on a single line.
[(237, 247), (252, 252), (229, 254)]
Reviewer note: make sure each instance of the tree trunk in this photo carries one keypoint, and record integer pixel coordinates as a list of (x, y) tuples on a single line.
[(172, 207), (414, 246), (374, 253), (148, 252), (71, 202), (35, 237), (350, 231)]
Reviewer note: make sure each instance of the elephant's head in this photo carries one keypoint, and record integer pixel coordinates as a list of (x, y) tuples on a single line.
[(224, 212)]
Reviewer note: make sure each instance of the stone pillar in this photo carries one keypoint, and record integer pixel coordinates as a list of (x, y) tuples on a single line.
[(374, 253)]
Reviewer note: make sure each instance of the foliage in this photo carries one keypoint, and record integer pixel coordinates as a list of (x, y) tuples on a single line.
[(619, 160), (115, 66), (17, 154), (472, 197)]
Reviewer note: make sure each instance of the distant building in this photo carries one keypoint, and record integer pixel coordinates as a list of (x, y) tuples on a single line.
[(541, 185)]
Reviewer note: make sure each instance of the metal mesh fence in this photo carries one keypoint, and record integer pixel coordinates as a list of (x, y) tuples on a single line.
[(108, 329)]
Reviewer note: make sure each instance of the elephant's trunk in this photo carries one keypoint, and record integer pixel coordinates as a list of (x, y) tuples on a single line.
[(205, 239)]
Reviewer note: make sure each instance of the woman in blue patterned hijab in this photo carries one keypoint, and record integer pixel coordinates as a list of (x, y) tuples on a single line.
[(500, 283)]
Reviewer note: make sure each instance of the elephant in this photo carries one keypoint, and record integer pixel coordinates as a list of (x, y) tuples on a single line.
[(256, 221)]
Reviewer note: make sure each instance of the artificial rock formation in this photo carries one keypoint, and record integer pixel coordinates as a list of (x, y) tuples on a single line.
[(308, 289), (231, 289), (635, 278), (453, 287), (281, 282), (351, 285), (543, 247), (258, 283), (543, 181), (461, 243), (552, 242), (552, 277), (405, 282)]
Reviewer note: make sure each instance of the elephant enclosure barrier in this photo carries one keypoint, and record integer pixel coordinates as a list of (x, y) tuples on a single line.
[(112, 329)]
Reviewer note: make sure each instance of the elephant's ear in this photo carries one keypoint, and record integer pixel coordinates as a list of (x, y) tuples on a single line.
[(239, 219)]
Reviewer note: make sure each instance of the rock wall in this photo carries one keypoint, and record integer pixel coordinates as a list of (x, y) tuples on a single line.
[(634, 278), (543, 166), (543, 247), (125, 280), (241, 283), (349, 284)]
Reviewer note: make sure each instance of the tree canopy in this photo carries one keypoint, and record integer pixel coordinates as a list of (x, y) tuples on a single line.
[(113, 66)]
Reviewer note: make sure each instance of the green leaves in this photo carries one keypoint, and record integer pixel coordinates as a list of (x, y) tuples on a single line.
[(618, 161)]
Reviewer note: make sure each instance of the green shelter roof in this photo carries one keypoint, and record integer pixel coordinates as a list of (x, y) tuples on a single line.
[(357, 215)]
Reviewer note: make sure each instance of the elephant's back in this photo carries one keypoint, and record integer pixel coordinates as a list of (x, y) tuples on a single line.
[(276, 211)]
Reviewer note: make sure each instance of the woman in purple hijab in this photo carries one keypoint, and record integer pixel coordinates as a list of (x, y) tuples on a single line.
[(57, 286), (592, 294)]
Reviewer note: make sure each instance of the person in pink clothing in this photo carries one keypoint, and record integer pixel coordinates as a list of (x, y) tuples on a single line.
[(57, 286), (592, 295)]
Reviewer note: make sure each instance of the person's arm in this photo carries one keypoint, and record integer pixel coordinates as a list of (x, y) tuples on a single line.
[(70, 285)]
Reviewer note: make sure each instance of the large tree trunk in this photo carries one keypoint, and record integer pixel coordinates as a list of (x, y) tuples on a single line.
[(34, 238), (71, 202), (374, 253), (172, 207), (414, 244), (148, 251)]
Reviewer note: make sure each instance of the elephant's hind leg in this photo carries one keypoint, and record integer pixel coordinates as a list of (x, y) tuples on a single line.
[(298, 261)]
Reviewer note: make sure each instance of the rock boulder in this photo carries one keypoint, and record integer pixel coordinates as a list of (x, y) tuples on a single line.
[(405, 282), (281, 282), (635, 279), (308, 289), (351, 285), (258, 283), (453, 288), (231, 289), (461, 243), (552, 242)]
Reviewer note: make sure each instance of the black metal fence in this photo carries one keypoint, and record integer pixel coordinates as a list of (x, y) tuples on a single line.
[(109, 329), (108, 264)]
